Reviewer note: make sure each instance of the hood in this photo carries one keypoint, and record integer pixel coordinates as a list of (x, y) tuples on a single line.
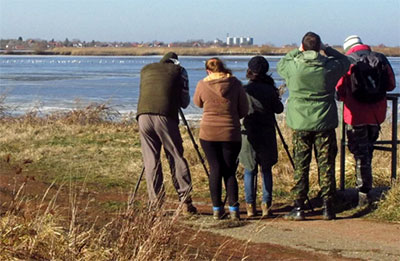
[(220, 84), (310, 57), (170, 57), (359, 47)]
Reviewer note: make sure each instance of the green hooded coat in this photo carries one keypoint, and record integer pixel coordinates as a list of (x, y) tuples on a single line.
[(311, 79)]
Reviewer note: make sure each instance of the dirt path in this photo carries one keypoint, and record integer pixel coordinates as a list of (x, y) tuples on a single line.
[(268, 239), (341, 238)]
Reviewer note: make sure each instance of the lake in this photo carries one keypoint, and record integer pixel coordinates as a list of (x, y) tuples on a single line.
[(57, 83)]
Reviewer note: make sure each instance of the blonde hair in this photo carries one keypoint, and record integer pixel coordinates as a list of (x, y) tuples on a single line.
[(216, 65)]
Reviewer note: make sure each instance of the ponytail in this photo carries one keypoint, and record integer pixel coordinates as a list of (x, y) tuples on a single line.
[(216, 65)]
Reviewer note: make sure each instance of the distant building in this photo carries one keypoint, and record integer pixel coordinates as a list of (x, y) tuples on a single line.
[(218, 41), (229, 41), (239, 41)]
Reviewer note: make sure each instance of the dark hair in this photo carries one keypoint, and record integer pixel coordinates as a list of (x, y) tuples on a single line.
[(216, 65), (311, 41), (263, 77)]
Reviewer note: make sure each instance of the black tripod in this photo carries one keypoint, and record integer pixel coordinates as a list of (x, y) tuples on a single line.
[(136, 188), (196, 147)]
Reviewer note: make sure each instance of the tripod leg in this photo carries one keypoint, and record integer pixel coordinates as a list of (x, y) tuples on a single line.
[(255, 188), (136, 187)]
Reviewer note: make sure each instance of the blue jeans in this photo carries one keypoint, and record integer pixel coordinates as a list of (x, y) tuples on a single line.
[(250, 188)]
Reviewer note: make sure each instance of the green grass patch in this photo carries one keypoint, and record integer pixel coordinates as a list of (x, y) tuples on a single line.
[(113, 205)]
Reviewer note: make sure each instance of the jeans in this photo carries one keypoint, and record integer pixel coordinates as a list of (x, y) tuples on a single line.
[(250, 188)]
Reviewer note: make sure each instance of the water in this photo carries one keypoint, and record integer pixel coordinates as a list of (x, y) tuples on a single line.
[(57, 83)]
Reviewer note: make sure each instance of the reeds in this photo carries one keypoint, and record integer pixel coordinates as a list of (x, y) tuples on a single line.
[(84, 152), (31, 230), (194, 51)]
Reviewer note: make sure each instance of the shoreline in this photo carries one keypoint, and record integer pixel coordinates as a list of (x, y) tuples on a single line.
[(182, 51)]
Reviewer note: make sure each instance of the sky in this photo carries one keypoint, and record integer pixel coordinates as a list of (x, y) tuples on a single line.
[(276, 22)]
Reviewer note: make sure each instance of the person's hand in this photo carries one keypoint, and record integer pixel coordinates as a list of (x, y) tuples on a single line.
[(281, 90)]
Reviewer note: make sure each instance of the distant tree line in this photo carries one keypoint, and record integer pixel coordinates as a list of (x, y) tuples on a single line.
[(39, 44)]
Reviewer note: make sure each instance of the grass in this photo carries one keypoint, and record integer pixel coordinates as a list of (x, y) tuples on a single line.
[(140, 51), (33, 231), (83, 145), (196, 51), (388, 208), (83, 155)]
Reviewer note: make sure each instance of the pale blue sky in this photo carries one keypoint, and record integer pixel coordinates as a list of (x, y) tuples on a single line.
[(267, 21)]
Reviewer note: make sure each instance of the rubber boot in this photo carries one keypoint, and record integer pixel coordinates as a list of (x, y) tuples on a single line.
[(297, 213), (362, 199), (328, 211), (363, 174)]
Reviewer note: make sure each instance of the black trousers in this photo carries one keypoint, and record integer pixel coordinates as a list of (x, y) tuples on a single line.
[(222, 156)]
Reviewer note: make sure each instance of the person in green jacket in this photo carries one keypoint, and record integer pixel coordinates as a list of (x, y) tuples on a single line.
[(312, 114)]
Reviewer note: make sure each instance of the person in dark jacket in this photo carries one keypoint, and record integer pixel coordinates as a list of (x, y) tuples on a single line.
[(224, 103), (164, 89), (259, 147), (312, 114), (363, 119)]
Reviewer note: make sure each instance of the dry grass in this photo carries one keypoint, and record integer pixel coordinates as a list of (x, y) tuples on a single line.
[(389, 207), (140, 51), (38, 231), (83, 148), (197, 51), (84, 145)]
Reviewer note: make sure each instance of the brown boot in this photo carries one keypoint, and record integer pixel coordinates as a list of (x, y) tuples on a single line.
[(251, 209), (218, 213), (234, 213), (266, 209)]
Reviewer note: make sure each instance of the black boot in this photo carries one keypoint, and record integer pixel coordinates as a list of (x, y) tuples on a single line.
[(297, 213), (328, 212)]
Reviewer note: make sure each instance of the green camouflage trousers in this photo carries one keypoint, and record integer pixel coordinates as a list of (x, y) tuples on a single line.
[(325, 149)]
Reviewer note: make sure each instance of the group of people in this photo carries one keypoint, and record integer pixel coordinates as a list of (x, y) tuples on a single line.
[(238, 125)]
